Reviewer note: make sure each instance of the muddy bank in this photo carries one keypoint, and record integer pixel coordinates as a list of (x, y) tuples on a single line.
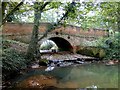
[(45, 82), (39, 81)]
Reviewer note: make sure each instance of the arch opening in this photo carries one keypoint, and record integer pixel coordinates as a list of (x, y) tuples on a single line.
[(48, 46), (56, 44), (62, 44)]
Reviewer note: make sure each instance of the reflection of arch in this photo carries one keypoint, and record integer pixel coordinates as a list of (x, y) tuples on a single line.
[(62, 43)]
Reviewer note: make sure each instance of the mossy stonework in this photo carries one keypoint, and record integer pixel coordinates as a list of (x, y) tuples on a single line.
[(91, 51)]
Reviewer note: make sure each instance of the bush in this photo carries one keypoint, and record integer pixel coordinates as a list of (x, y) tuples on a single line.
[(10, 43), (113, 52), (12, 60)]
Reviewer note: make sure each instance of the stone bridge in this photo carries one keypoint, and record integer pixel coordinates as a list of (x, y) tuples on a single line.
[(65, 41), (65, 37)]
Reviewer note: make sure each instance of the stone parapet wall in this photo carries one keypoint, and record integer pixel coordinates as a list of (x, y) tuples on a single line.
[(26, 28)]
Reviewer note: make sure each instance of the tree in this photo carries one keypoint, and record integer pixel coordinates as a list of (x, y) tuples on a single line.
[(110, 14), (33, 49)]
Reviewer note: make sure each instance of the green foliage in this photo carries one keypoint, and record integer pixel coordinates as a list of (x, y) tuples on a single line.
[(113, 52), (109, 14), (8, 43), (12, 60), (111, 45), (101, 42), (86, 14), (54, 4)]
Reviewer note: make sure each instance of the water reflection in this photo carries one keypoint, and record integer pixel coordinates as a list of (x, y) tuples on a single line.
[(99, 75), (81, 76)]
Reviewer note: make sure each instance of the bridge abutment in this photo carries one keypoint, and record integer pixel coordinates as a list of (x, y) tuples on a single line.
[(74, 49)]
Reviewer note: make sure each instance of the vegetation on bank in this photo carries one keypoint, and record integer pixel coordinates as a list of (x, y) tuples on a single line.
[(113, 52), (13, 59), (106, 48)]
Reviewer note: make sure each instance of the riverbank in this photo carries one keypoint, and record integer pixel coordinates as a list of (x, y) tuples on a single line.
[(38, 81)]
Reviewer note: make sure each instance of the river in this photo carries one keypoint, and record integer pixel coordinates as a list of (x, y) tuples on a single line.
[(75, 76)]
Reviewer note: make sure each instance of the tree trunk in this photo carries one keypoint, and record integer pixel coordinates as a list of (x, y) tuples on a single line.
[(11, 12), (33, 49), (4, 4)]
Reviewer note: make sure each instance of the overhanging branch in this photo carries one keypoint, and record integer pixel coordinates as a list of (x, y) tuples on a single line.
[(12, 11), (55, 25)]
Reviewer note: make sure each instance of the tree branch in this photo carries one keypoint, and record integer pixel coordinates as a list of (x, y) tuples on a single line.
[(12, 11), (44, 5), (55, 25), (48, 9)]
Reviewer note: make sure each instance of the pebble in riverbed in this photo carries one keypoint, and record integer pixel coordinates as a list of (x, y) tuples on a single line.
[(112, 62), (33, 83), (35, 66)]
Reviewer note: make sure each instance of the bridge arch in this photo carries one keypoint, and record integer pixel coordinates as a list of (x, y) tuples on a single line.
[(62, 43)]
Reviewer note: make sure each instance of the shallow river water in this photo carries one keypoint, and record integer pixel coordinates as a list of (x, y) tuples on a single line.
[(80, 76)]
